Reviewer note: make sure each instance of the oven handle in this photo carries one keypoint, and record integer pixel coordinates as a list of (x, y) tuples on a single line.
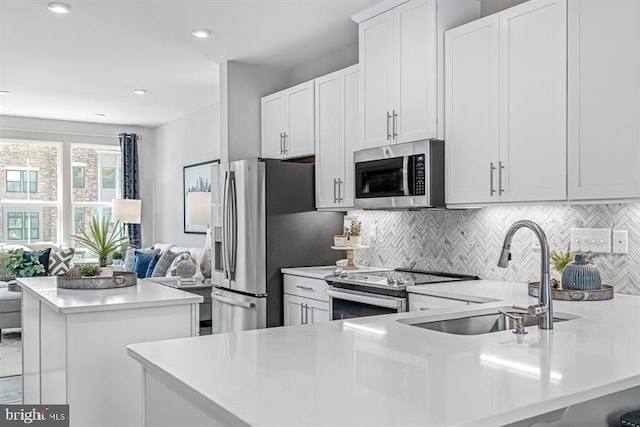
[(388, 302)]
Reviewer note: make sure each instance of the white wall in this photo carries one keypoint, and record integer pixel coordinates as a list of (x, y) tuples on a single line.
[(194, 138), (334, 61), (492, 6)]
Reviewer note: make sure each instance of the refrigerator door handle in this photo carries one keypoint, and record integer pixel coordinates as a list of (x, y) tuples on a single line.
[(230, 301), (234, 223), (225, 226)]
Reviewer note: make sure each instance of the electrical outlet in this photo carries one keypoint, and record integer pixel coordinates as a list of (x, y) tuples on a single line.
[(620, 242), (597, 240)]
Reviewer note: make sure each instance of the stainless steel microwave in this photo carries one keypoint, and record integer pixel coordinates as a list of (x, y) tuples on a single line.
[(400, 176)]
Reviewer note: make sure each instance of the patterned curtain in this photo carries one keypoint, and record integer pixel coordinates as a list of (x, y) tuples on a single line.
[(130, 179)]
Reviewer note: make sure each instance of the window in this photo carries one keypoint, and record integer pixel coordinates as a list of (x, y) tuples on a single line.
[(22, 181), (78, 177), (78, 220), (108, 178), (23, 226)]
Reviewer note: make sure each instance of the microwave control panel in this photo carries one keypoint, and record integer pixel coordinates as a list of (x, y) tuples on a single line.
[(419, 175)]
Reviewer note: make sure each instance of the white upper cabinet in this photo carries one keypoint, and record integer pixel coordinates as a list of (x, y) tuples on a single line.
[(472, 114), (337, 131), (288, 123), (400, 50), (533, 87), (506, 106), (604, 99)]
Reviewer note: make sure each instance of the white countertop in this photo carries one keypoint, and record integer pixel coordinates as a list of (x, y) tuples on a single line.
[(65, 301), (377, 371), (324, 271)]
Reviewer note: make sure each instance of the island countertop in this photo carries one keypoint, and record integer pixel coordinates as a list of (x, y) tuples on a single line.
[(378, 371), (66, 301)]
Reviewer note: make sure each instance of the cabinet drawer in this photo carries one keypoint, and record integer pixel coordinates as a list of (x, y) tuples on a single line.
[(306, 287), (426, 302)]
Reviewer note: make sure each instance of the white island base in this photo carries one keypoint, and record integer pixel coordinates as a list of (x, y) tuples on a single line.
[(74, 345)]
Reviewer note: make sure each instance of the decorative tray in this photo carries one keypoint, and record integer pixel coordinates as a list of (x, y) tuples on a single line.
[(120, 279), (574, 294)]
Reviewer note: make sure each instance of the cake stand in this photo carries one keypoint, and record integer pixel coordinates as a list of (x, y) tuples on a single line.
[(350, 264)]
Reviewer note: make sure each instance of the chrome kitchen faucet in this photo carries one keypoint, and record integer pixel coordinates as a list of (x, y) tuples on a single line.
[(544, 309)]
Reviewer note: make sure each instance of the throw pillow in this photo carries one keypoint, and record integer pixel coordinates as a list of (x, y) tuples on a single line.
[(43, 257), (183, 256), (163, 247), (142, 263), (205, 264), (152, 265), (163, 264), (60, 261), (5, 275), (186, 268), (129, 260)]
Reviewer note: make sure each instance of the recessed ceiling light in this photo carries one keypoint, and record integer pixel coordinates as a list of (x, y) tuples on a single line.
[(99, 115), (4, 92), (139, 91), (201, 33), (59, 8)]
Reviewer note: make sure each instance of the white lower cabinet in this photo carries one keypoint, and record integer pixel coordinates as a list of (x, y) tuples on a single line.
[(305, 300)]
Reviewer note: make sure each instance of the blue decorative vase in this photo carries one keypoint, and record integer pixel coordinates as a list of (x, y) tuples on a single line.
[(581, 275)]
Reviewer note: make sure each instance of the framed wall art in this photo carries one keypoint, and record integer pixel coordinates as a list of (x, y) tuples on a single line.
[(196, 178)]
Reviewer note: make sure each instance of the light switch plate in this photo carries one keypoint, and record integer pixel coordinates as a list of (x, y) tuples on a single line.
[(620, 243), (596, 240)]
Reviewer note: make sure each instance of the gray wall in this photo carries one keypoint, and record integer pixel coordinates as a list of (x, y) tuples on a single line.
[(469, 241), (488, 7)]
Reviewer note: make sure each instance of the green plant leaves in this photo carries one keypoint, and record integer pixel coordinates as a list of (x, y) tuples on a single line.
[(100, 239)]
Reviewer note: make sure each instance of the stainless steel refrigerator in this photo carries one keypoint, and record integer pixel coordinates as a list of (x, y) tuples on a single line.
[(263, 219)]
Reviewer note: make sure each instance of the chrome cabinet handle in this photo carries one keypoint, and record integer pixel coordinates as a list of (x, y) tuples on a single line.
[(281, 143), (306, 314), (335, 197), (500, 169), (243, 304), (301, 313), (424, 308), (491, 169), (340, 182), (286, 138), (388, 126), (306, 288), (395, 125)]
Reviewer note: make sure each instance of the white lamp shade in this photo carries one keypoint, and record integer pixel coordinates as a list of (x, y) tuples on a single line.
[(127, 211), (198, 208)]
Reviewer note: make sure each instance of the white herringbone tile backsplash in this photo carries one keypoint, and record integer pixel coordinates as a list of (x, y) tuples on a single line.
[(469, 241)]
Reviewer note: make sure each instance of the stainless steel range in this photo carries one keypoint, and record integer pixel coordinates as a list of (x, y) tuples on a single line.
[(369, 294)]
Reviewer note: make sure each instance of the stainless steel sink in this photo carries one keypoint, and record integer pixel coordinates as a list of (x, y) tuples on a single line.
[(479, 323)]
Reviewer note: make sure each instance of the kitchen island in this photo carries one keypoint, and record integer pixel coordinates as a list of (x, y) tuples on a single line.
[(378, 371), (74, 345)]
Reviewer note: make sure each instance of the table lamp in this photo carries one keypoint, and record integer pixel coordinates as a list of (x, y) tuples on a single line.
[(127, 211), (199, 212)]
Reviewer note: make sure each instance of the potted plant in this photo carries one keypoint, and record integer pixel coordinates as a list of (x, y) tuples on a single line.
[(355, 233), (117, 257), (102, 239), (19, 265)]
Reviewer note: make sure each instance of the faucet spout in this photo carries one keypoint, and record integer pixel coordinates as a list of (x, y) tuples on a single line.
[(543, 309)]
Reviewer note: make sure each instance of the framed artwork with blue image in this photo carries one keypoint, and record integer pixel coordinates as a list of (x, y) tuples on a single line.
[(196, 178)]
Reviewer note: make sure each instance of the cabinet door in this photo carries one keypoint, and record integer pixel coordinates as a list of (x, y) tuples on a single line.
[(351, 131), (604, 94), (376, 84), (533, 101), (471, 105), (317, 311), (329, 146), (273, 125), (299, 140), (415, 71), (293, 310)]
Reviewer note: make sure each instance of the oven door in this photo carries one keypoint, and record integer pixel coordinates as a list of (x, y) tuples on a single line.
[(348, 304)]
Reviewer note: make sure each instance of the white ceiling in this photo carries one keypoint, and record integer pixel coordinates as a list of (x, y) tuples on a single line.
[(88, 61)]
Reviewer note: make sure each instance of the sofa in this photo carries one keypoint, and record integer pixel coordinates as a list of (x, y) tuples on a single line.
[(10, 307)]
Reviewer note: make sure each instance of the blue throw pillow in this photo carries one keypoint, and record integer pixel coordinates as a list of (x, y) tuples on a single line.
[(142, 263), (43, 257), (152, 265)]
